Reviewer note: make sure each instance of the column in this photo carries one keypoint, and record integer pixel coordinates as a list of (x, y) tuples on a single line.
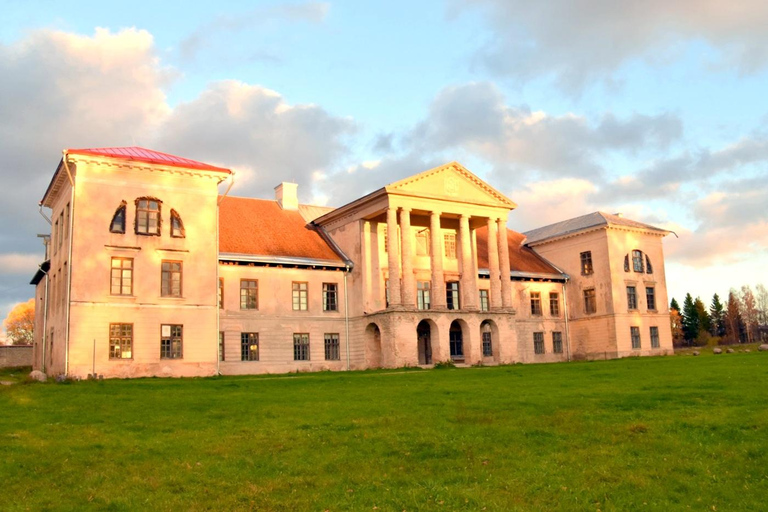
[(367, 265), (506, 284), (394, 258), (468, 287), (437, 293), (493, 264), (409, 284)]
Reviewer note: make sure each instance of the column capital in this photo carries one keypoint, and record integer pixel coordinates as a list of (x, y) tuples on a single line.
[(404, 209)]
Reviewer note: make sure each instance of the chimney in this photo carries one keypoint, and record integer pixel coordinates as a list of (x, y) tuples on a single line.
[(287, 195), (619, 214)]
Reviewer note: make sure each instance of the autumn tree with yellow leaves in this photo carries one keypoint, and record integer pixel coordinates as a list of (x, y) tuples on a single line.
[(20, 323)]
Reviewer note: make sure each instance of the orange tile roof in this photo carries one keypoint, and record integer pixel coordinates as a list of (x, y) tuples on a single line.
[(151, 156), (259, 227), (521, 258)]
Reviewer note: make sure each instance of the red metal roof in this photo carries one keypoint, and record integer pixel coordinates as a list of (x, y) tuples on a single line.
[(259, 227), (521, 258), (149, 156)]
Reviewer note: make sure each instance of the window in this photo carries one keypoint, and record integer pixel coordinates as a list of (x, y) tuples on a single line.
[(586, 263), (332, 347), (422, 294), (386, 292), (66, 222), (171, 339), (422, 242), (122, 276), (330, 297), (456, 342), (221, 293), (626, 263), (554, 304), (177, 226), (557, 342), (452, 295), (538, 343), (54, 235), (147, 216), (654, 337), (536, 303), (450, 245), (485, 303), (249, 294), (487, 339), (61, 229), (170, 282), (299, 296), (249, 346), (650, 298), (631, 297), (590, 301), (120, 341), (635, 334), (118, 220), (301, 346), (648, 267), (637, 261), (221, 345)]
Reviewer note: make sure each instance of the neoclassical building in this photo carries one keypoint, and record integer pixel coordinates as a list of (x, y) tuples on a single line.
[(149, 270)]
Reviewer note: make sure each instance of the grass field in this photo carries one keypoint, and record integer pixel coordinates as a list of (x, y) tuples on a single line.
[(672, 433)]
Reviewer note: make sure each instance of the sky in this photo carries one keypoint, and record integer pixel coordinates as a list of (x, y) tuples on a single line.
[(654, 109)]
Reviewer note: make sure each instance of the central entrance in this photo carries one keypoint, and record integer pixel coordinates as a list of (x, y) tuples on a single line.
[(456, 341), (424, 337)]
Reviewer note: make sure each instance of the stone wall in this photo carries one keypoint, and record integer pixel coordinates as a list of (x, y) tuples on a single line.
[(15, 355)]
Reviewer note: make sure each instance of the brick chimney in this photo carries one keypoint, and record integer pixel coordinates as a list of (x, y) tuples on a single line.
[(287, 195)]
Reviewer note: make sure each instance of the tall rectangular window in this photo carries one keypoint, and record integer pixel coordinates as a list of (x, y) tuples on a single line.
[(301, 346), (221, 346), (452, 295), (330, 297), (249, 294), (249, 346), (557, 342), (487, 341), (650, 298), (637, 261), (586, 263), (449, 240), (120, 341), (654, 337), (631, 297), (635, 334), (171, 341), (122, 276), (66, 222), (422, 242), (386, 292), (538, 343), (536, 303), (554, 304), (299, 296), (422, 294), (590, 301), (485, 303), (332, 352), (221, 293), (53, 237), (61, 229), (171, 279), (147, 217)]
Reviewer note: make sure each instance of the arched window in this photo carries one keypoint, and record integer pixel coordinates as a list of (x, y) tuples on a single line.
[(637, 261), (626, 263), (118, 219), (177, 226), (485, 332), (648, 267), (148, 218)]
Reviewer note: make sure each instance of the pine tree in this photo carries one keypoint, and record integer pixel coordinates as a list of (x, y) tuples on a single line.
[(674, 305), (690, 319), (717, 316)]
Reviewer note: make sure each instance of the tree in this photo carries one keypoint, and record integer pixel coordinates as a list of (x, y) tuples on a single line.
[(690, 319), (761, 300), (676, 323), (717, 316), (20, 323), (733, 322), (748, 312), (674, 305), (705, 323)]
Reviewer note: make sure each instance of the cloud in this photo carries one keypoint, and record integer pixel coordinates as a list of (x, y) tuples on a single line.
[(576, 43), (14, 262)]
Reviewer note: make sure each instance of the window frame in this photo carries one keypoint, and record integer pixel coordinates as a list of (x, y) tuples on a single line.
[(650, 298), (423, 295), (554, 299), (221, 293), (485, 300), (148, 211), (121, 211), (536, 309), (244, 305), (121, 269), (177, 231), (299, 292), (631, 297), (169, 273), (538, 343), (222, 347), (120, 339), (587, 267), (590, 298), (331, 297), (423, 242), (486, 335), (247, 340), (332, 346), (170, 350), (449, 246), (557, 342), (637, 261), (654, 333), (301, 346), (634, 334), (452, 295)]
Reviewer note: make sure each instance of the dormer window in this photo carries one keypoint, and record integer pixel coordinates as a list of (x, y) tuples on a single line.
[(148, 216), (118, 220), (637, 261), (177, 226)]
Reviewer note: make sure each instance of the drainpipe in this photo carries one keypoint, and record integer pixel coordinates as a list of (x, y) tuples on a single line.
[(69, 256), (218, 277), (567, 329), (346, 315), (45, 315)]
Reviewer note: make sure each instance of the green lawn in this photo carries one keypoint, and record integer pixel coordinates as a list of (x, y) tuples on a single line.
[(670, 433)]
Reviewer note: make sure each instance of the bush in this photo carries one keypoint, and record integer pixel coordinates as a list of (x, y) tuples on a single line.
[(443, 365)]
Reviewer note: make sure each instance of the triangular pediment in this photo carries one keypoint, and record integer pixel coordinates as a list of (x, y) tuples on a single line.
[(451, 182)]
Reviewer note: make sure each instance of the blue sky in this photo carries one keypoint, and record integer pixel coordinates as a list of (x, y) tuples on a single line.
[(656, 110)]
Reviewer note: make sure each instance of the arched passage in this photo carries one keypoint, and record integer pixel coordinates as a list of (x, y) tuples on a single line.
[(424, 335), (372, 346), (456, 341)]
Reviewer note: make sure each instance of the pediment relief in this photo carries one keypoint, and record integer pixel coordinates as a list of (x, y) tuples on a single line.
[(451, 182)]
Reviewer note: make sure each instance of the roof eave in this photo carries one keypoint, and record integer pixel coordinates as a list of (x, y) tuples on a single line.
[(281, 260)]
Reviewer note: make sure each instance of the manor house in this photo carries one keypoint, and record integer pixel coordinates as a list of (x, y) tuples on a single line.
[(151, 271)]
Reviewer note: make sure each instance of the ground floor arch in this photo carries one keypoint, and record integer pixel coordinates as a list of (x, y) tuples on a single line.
[(489, 339), (426, 332), (373, 346), (457, 340)]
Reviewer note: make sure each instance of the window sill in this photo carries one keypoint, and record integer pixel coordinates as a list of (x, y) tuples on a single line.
[(167, 297), (123, 297), (118, 359)]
